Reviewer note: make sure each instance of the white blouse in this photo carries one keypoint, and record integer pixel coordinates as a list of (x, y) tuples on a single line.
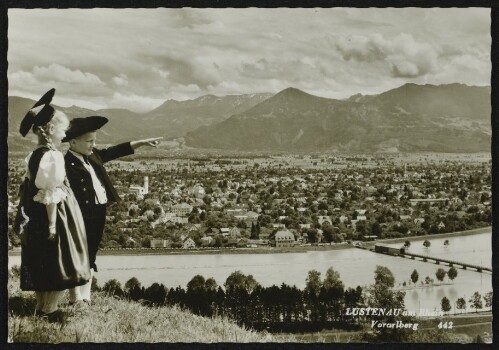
[(49, 178)]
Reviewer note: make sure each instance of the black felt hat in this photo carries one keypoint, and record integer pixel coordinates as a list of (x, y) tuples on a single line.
[(80, 126), (40, 114)]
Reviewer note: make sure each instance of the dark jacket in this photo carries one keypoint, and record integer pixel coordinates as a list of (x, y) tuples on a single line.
[(80, 179)]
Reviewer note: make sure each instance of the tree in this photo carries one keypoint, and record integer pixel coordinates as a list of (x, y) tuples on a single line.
[(381, 295), (197, 282), (312, 235), (156, 294), (452, 273), (461, 304), (445, 304), (332, 279), (476, 301), (238, 280), (383, 276), (426, 243), (376, 229), (488, 300), (414, 276), (132, 283), (407, 244), (113, 287), (313, 282), (440, 274)]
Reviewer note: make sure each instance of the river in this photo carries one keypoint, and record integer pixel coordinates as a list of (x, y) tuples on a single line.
[(356, 267)]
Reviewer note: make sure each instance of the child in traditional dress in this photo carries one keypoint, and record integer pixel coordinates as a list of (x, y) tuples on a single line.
[(54, 254)]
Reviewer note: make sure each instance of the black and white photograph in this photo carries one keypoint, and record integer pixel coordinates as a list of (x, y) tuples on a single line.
[(249, 175)]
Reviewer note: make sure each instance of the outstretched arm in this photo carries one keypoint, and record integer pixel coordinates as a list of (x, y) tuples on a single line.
[(125, 149), (153, 142)]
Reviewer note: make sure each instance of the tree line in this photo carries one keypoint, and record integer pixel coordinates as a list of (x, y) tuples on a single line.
[(321, 304)]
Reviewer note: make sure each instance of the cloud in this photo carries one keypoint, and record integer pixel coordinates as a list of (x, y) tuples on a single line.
[(362, 48), (121, 80), (288, 70), (54, 74), (405, 56), (154, 54), (134, 102), (272, 35), (58, 73)]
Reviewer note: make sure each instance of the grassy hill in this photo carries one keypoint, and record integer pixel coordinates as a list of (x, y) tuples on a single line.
[(113, 320)]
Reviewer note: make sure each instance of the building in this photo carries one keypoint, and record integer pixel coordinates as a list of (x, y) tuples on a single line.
[(235, 232), (188, 243), (140, 191), (182, 209), (198, 191), (284, 239), (323, 219), (160, 243), (207, 240)]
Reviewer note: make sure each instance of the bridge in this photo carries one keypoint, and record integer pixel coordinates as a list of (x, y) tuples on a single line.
[(404, 254), (464, 266)]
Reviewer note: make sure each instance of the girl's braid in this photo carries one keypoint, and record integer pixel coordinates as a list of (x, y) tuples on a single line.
[(47, 139)]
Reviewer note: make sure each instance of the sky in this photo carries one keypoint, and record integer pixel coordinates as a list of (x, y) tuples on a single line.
[(139, 58)]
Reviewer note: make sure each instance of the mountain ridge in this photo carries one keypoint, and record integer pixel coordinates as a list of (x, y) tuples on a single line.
[(410, 118)]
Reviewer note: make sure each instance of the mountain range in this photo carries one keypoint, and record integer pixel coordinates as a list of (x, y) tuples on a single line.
[(410, 118)]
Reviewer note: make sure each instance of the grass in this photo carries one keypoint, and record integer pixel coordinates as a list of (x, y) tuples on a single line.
[(114, 320)]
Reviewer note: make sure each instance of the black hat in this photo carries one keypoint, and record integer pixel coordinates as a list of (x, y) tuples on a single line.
[(40, 114), (80, 126)]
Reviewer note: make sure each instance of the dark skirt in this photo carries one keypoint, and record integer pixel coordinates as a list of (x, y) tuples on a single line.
[(61, 263)]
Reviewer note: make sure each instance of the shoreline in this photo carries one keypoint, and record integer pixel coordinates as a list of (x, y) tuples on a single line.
[(475, 231), (271, 250)]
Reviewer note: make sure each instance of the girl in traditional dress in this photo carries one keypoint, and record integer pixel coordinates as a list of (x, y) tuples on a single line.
[(54, 254)]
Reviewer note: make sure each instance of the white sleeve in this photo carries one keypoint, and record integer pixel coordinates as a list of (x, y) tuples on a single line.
[(50, 178)]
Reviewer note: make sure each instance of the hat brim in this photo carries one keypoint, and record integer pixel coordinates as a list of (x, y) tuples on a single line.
[(41, 117), (45, 99), (81, 126)]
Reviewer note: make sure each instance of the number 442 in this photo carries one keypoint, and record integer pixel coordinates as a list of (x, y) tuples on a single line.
[(445, 325)]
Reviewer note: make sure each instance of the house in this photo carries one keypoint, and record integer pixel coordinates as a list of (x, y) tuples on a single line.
[(152, 201), (182, 209), (207, 240), (418, 221), (188, 243), (234, 232), (160, 243), (302, 226), (212, 231), (198, 191), (140, 191), (235, 212), (284, 239), (323, 219), (251, 216), (224, 231), (193, 227), (441, 225)]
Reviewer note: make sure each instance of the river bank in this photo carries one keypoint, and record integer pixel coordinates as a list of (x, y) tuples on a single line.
[(269, 250), (438, 235)]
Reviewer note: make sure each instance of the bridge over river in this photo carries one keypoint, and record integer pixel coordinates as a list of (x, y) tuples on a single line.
[(437, 261), (403, 254)]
